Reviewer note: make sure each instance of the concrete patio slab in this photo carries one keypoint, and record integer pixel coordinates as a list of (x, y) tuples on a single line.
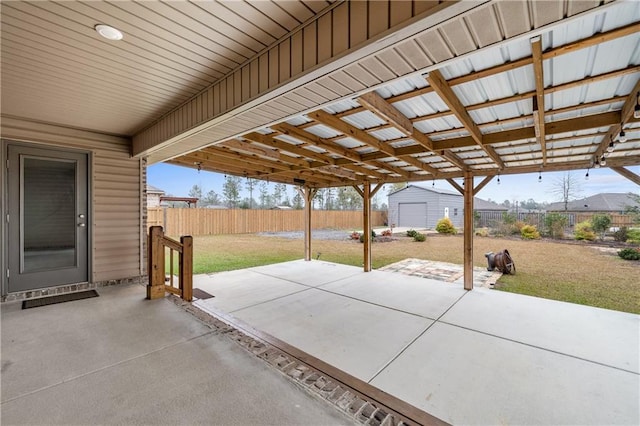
[(488, 358), (465, 377), (357, 337), (419, 296), (33, 338), (240, 289), (311, 274), (599, 335), (121, 359)]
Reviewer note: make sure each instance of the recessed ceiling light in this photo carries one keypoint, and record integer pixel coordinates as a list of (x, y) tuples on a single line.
[(108, 32)]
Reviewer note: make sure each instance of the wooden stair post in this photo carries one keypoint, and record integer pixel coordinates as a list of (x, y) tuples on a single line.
[(186, 268), (155, 288)]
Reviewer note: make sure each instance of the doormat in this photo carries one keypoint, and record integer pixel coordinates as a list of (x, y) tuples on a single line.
[(201, 294), (60, 298)]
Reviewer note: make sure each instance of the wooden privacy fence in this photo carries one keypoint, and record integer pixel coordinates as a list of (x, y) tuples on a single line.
[(176, 221)]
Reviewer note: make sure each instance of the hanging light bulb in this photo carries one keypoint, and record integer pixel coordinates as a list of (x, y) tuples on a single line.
[(611, 147), (623, 136), (596, 163), (603, 161), (636, 109), (586, 177), (433, 183), (498, 179), (539, 177)]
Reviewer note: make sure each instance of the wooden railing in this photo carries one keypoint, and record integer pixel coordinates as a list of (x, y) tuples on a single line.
[(157, 245)]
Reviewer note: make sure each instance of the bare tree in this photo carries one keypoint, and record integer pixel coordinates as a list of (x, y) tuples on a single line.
[(566, 188)]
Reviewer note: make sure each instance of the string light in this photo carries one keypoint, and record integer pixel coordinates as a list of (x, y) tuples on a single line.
[(603, 161), (596, 163), (498, 179), (586, 177), (539, 177), (611, 146), (623, 136), (636, 109)]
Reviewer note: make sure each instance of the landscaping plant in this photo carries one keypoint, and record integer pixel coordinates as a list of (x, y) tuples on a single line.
[(419, 237), (555, 223), (621, 234), (412, 233), (629, 254), (529, 232), (633, 236), (584, 231), (601, 224), (445, 226)]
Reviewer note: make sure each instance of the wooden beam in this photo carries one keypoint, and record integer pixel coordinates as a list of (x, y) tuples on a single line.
[(285, 146), (251, 148), (442, 88), (312, 139), (468, 231), (307, 195), (377, 188), (625, 115), (453, 159), (439, 84), (379, 106), (627, 173), (352, 131), (337, 171), (366, 224), (482, 184), (456, 186), (538, 100)]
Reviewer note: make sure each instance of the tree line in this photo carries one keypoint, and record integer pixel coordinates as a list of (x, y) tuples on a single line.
[(261, 196)]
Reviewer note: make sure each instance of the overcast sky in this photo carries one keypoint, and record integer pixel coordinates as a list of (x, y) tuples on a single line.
[(178, 181)]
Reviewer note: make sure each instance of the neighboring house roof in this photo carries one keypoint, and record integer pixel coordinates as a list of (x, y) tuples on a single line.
[(484, 205), (428, 188), (154, 190), (282, 208), (605, 202)]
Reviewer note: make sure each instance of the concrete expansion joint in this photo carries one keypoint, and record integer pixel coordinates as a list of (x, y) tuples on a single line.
[(312, 381)]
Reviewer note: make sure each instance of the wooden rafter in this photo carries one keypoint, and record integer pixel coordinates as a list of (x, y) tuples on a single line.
[(378, 105), (538, 100), (314, 140), (626, 114), (251, 148), (628, 174), (439, 84)]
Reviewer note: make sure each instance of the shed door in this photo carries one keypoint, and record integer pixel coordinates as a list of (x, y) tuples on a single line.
[(412, 215), (48, 224)]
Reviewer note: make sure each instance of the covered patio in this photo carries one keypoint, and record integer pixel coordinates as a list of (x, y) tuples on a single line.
[(315, 94), (480, 357)]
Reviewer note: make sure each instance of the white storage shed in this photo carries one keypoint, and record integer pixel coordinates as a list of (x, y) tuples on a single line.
[(418, 206)]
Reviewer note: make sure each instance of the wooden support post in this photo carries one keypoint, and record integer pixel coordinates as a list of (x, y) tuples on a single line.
[(186, 268), (155, 288), (366, 221), (308, 195), (468, 231)]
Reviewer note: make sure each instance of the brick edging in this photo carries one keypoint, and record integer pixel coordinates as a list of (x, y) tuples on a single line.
[(311, 380)]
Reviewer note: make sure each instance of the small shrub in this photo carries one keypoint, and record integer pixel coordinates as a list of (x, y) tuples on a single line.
[(412, 233), (629, 254), (419, 237), (362, 238), (620, 235), (600, 224), (529, 232), (445, 226), (373, 233), (555, 224), (387, 233), (584, 231), (482, 232), (355, 235), (633, 236)]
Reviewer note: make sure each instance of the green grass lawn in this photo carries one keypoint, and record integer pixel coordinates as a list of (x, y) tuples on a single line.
[(568, 272)]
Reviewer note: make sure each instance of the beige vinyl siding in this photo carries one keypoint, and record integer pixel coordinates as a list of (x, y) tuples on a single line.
[(115, 193)]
